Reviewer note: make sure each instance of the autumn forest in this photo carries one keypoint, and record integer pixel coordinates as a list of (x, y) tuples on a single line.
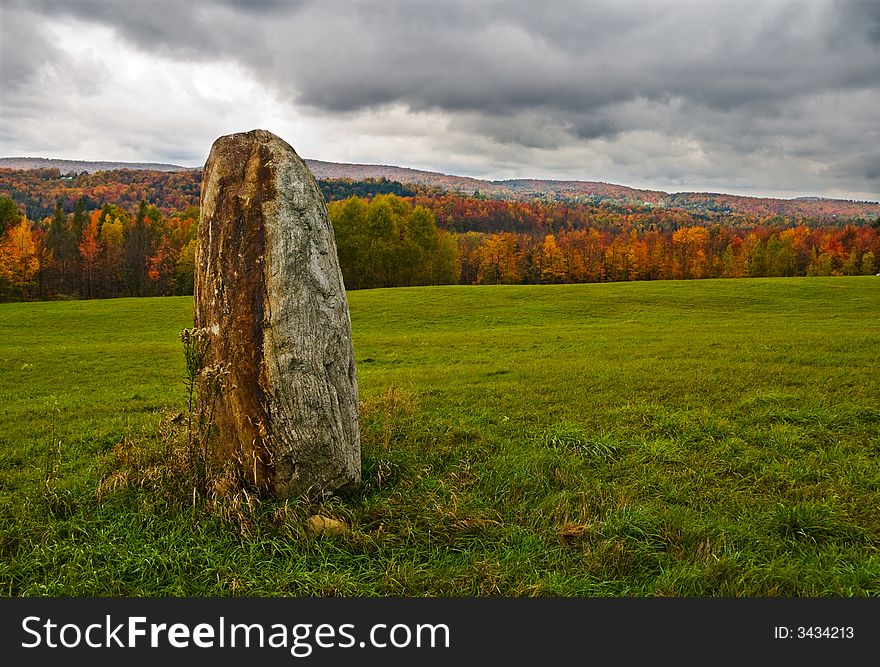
[(133, 233)]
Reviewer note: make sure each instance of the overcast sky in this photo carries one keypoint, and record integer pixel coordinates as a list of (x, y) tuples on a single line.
[(767, 98)]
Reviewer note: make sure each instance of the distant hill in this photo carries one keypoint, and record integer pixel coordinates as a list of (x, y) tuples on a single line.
[(79, 166), (597, 191), (512, 189), (593, 192)]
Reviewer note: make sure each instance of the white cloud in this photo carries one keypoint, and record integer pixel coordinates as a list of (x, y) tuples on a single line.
[(103, 99)]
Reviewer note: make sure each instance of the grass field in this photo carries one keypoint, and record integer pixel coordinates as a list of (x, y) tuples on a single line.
[(712, 438)]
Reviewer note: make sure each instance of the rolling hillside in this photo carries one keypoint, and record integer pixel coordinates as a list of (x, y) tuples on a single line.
[(79, 166), (521, 189)]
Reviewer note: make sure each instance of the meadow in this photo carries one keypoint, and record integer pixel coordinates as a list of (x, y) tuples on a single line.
[(676, 438)]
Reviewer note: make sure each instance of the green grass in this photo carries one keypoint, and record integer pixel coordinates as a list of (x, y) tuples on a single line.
[(709, 438)]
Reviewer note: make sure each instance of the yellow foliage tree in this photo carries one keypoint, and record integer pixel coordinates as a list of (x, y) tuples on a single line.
[(19, 261), (553, 264)]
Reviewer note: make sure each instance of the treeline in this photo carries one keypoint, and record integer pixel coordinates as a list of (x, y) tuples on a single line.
[(335, 189), (111, 252), (390, 241), (38, 191), (578, 256), (105, 252), (477, 214)]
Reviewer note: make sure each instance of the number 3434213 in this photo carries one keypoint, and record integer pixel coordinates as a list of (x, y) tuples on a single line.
[(814, 632)]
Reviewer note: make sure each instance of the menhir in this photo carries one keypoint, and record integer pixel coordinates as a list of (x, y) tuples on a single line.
[(269, 291)]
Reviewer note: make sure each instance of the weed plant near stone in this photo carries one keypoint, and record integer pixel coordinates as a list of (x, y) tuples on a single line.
[(711, 438)]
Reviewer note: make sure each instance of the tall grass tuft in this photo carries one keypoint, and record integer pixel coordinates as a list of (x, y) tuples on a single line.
[(178, 462)]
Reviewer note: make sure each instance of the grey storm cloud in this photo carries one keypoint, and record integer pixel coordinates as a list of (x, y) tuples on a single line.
[(741, 77), (505, 56), (21, 58)]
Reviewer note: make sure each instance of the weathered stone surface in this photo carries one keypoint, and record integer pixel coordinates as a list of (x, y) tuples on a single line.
[(269, 289)]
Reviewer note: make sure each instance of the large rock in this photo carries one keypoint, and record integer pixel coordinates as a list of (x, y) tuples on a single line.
[(269, 290)]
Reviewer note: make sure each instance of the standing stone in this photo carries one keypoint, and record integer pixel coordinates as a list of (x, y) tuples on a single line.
[(269, 290)]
